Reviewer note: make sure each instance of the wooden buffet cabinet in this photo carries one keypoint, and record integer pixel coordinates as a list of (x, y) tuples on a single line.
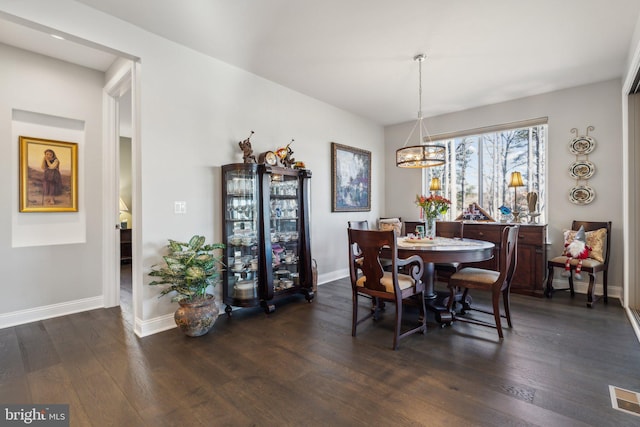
[(531, 270)]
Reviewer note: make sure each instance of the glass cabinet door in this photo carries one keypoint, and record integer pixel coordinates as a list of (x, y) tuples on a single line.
[(284, 195), (240, 235), (286, 235)]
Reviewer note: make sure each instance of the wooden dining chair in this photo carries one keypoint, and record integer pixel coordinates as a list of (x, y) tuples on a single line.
[(410, 226), (359, 225), (598, 235), (368, 278), (444, 270), (497, 282), (452, 230)]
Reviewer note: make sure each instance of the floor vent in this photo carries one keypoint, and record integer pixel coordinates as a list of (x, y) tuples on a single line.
[(625, 400)]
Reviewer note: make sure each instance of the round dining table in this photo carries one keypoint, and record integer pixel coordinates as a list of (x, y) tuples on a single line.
[(442, 250)]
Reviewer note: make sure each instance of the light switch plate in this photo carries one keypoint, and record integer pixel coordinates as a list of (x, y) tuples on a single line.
[(180, 207)]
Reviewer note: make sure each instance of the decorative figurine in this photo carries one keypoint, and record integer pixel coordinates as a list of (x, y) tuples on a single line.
[(577, 249), (247, 151), (285, 154)]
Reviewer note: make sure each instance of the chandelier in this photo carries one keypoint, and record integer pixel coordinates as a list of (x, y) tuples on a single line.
[(420, 156)]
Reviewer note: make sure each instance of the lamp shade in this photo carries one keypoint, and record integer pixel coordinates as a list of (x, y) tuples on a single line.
[(516, 180), (435, 184), (421, 156), (123, 206)]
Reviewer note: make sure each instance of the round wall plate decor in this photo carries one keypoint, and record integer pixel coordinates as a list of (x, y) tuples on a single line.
[(582, 145), (582, 169), (581, 195)]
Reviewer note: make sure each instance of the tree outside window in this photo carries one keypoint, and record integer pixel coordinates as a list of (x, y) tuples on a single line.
[(479, 168)]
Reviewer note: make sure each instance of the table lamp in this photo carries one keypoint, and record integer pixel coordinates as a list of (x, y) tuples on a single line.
[(516, 181), (435, 184)]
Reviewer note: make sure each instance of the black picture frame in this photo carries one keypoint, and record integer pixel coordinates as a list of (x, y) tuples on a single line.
[(350, 179)]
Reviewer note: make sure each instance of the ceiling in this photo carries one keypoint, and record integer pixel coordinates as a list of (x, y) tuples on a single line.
[(358, 54)]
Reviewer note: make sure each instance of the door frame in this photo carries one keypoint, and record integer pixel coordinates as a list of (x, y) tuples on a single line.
[(631, 201), (124, 77)]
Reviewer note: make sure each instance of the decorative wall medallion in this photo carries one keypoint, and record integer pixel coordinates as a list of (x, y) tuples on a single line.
[(582, 169), (581, 195), (582, 145)]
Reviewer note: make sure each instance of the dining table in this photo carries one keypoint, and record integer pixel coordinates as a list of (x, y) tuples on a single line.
[(442, 250)]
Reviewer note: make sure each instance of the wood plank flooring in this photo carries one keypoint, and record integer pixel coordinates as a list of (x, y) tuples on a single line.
[(300, 367)]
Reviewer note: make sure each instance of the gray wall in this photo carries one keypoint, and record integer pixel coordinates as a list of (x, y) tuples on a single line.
[(597, 105), (194, 110), (50, 271)]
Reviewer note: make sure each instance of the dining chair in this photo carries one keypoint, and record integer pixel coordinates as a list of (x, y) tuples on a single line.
[(368, 278), (410, 226), (598, 236), (359, 225), (443, 271), (497, 282), (452, 230)]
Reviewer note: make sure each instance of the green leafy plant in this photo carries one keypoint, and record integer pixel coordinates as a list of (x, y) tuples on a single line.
[(189, 269)]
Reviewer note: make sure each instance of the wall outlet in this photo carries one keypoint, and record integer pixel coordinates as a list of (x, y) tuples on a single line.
[(180, 207)]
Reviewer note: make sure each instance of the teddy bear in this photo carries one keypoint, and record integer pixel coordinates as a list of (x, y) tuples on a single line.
[(577, 249)]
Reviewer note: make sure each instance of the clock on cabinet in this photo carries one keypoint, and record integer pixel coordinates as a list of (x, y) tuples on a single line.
[(268, 158)]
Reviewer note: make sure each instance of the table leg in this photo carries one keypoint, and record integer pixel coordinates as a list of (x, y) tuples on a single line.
[(432, 299)]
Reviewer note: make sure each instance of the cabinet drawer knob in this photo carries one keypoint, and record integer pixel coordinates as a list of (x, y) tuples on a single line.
[(481, 233)]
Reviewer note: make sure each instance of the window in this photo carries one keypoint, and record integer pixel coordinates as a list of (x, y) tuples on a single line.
[(480, 164)]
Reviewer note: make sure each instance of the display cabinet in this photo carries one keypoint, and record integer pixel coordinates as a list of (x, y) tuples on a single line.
[(266, 233)]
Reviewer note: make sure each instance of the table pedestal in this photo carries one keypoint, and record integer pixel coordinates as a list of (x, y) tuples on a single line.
[(435, 301)]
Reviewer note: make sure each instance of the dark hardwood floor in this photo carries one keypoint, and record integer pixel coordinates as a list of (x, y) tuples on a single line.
[(300, 366)]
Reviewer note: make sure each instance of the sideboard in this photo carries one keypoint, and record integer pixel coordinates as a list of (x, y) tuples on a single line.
[(531, 269)]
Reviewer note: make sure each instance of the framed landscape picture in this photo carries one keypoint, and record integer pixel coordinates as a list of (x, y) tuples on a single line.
[(350, 179), (48, 175)]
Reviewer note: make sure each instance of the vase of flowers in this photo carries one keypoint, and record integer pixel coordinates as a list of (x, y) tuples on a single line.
[(432, 207)]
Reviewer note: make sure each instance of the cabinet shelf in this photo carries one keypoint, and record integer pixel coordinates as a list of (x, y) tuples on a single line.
[(258, 186)]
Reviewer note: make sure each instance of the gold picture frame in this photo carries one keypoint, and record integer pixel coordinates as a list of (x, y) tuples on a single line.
[(48, 175)]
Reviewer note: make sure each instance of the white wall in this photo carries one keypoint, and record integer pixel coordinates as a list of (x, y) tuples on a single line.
[(194, 110), (50, 271), (595, 105)]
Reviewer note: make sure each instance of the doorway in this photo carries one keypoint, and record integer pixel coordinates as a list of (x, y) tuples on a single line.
[(125, 202)]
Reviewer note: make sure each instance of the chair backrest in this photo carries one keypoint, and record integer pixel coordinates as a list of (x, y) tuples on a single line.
[(393, 222), (367, 259), (508, 255), (596, 225), (410, 226), (450, 229), (359, 225)]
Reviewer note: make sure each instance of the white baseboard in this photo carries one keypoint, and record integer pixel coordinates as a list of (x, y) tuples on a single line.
[(49, 311), (145, 328), (331, 276)]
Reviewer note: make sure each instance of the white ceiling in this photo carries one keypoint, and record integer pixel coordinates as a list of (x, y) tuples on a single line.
[(357, 54)]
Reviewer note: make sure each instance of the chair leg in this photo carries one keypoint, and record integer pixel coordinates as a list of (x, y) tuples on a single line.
[(466, 305), (424, 314), (604, 287), (591, 299), (496, 311), (571, 289), (396, 334), (548, 292), (355, 314), (507, 305), (451, 302)]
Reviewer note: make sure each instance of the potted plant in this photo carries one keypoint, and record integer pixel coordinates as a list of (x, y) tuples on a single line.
[(189, 269)]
